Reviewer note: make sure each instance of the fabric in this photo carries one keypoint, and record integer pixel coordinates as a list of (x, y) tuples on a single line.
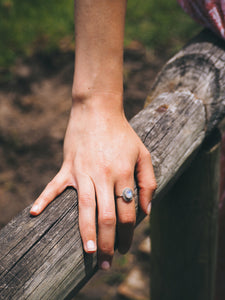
[(209, 13)]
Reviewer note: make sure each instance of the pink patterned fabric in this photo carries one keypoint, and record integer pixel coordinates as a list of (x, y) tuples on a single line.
[(210, 13)]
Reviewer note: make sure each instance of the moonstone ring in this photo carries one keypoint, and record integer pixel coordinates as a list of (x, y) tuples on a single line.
[(127, 195)]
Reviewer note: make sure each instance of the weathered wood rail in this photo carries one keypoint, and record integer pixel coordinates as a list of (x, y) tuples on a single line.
[(42, 257)]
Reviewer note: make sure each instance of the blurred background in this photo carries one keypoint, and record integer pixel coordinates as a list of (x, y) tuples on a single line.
[(36, 71)]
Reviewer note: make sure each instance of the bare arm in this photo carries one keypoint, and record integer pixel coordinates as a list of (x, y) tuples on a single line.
[(99, 31), (101, 150)]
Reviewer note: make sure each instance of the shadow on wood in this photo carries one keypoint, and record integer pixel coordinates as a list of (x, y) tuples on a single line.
[(184, 231)]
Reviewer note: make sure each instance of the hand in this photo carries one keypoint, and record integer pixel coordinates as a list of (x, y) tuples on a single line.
[(101, 154)]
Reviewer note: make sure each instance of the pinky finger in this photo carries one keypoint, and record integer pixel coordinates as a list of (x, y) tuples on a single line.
[(55, 187), (146, 181)]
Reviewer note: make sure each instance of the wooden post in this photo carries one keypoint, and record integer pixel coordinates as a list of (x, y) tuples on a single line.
[(184, 231)]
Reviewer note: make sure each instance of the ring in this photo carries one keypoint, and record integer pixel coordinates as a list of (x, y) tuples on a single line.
[(127, 195)]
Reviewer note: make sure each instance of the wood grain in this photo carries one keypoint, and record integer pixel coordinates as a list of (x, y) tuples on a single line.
[(184, 231), (42, 257), (198, 68)]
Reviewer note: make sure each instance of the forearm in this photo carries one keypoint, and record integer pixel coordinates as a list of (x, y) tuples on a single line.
[(99, 33), (101, 150)]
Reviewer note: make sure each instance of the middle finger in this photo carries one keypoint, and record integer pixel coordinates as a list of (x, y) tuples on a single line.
[(106, 225)]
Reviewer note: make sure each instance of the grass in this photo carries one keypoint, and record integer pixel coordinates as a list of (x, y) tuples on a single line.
[(28, 26), (158, 25)]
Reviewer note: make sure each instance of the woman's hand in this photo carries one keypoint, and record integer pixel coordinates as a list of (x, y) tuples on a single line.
[(101, 150), (101, 155)]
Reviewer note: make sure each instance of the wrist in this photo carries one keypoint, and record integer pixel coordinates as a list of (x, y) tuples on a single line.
[(105, 103), (95, 77)]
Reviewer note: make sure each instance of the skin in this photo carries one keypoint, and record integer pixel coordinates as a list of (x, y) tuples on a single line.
[(101, 151)]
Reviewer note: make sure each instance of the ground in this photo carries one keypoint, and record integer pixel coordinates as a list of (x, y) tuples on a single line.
[(34, 109)]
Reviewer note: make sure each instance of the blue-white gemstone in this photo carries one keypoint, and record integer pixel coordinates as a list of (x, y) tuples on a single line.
[(127, 194)]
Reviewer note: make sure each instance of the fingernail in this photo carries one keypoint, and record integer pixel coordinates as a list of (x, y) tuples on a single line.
[(149, 208), (105, 265), (34, 208), (91, 246)]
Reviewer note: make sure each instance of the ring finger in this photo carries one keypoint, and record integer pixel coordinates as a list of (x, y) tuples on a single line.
[(126, 216)]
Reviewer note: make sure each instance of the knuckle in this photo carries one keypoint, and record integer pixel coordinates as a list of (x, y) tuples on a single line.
[(107, 218), (150, 185), (126, 172), (86, 200), (86, 229), (128, 218), (106, 170), (147, 155), (153, 185), (106, 248)]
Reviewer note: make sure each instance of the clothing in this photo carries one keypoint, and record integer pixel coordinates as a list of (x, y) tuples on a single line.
[(209, 13)]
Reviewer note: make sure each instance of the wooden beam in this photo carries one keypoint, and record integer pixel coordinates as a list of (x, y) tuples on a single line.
[(198, 68), (184, 229), (42, 257)]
